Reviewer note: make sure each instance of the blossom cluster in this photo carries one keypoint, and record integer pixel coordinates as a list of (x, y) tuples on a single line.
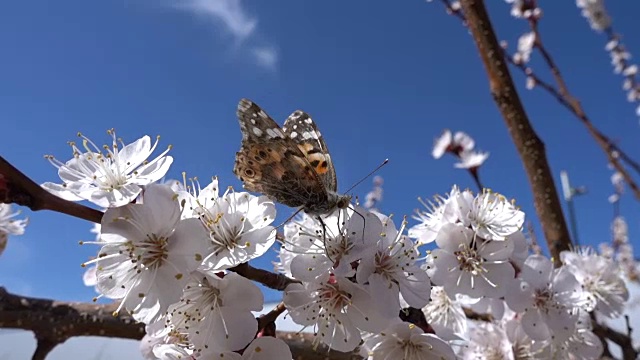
[(600, 21), (167, 251)]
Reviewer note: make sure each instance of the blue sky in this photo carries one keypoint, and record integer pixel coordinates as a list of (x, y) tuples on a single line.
[(381, 81)]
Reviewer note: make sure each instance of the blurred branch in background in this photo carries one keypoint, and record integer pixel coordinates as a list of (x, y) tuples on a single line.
[(593, 10), (529, 145)]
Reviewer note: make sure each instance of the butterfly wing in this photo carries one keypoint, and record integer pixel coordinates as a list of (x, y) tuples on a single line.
[(302, 130), (255, 124), (270, 163)]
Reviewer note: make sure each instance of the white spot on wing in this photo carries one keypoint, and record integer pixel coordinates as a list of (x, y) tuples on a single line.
[(257, 131), (293, 134), (253, 121), (308, 120), (309, 135), (270, 133), (275, 133)]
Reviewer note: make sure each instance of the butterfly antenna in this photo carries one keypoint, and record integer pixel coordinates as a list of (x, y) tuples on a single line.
[(369, 174)]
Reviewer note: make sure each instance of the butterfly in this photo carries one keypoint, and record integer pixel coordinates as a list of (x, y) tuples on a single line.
[(290, 165)]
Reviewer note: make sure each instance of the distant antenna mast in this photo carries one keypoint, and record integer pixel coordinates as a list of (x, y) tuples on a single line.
[(569, 193)]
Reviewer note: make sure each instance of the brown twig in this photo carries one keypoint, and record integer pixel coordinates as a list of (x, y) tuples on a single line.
[(620, 339), (43, 348), (475, 174), (528, 144), (271, 316), (271, 280), (606, 353), (16, 187), (575, 107), (612, 151)]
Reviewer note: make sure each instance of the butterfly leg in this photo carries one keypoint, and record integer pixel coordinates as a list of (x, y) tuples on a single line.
[(364, 220), (324, 236)]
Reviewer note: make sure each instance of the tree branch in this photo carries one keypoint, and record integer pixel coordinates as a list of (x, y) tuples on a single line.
[(529, 145), (621, 339), (53, 322), (574, 105), (16, 187), (271, 280)]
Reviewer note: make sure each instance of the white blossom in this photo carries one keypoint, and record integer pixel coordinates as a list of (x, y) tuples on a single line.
[(525, 47), (162, 343), (531, 82), (148, 253), (620, 231), (438, 213), (337, 308), (522, 345), (520, 248), (89, 278), (284, 265), (238, 224), (547, 297), (583, 344), (8, 223), (262, 348), (345, 236), (523, 9), (490, 215), (443, 311), (453, 143), (463, 141), (111, 176), (487, 341), (600, 278), (441, 144), (618, 182), (216, 312), (392, 270), (468, 265), (595, 13), (471, 159), (408, 342)]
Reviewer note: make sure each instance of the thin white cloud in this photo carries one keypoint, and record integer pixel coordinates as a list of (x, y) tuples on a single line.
[(266, 56), (231, 15), (228, 13)]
